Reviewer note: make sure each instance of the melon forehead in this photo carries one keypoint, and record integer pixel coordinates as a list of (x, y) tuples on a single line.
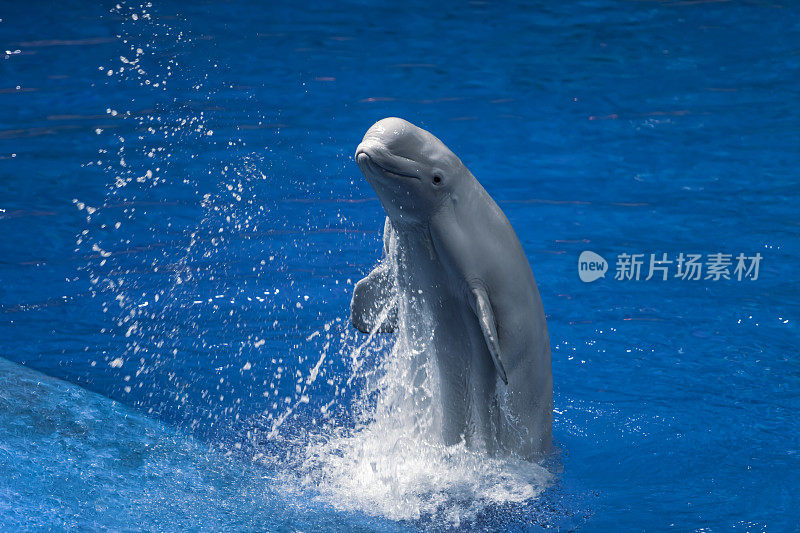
[(391, 127), (404, 139)]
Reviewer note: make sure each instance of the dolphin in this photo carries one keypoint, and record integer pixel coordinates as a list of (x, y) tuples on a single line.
[(457, 253)]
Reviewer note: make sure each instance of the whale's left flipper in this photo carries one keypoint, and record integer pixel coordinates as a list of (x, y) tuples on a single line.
[(483, 309)]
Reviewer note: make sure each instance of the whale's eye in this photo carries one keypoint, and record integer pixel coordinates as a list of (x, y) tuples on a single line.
[(437, 179)]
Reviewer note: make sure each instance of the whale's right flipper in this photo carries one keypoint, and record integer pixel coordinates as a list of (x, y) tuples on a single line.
[(374, 303)]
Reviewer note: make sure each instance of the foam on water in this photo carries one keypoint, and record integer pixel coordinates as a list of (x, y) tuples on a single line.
[(395, 475)]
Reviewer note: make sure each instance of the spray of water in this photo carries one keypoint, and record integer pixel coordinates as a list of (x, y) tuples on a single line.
[(206, 322), (392, 462)]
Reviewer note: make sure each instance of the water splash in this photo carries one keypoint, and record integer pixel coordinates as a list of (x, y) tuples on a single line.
[(209, 324), (392, 462)]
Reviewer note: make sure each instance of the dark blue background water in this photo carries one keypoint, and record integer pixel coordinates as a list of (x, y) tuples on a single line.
[(637, 127)]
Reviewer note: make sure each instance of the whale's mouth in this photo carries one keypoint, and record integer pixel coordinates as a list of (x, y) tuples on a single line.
[(363, 157)]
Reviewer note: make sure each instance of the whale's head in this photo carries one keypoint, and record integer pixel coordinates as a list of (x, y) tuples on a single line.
[(412, 172)]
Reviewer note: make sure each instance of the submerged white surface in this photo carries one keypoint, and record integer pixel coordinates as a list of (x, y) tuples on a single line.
[(72, 459)]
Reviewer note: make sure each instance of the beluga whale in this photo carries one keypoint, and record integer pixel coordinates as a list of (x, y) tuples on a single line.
[(450, 254)]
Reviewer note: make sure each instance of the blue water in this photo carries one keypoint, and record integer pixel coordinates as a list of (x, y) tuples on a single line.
[(182, 223)]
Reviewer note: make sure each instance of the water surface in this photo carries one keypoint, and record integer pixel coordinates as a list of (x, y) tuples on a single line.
[(183, 223)]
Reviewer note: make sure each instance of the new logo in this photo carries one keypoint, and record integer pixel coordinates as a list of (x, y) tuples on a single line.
[(591, 266)]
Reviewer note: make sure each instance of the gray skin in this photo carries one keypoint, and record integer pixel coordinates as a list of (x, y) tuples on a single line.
[(458, 248)]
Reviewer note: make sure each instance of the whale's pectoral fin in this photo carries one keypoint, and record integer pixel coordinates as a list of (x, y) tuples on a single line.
[(483, 309), (374, 304)]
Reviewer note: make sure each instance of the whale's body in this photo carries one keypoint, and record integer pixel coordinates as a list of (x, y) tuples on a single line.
[(451, 254)]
